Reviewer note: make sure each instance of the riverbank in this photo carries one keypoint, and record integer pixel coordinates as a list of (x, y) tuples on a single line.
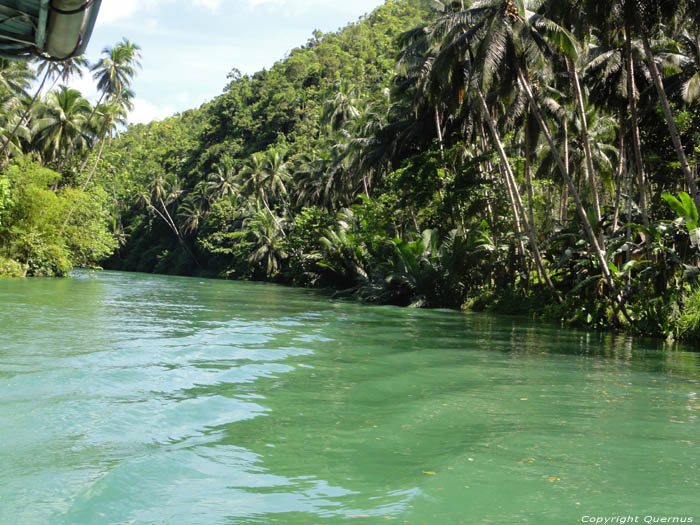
[(679, 321)]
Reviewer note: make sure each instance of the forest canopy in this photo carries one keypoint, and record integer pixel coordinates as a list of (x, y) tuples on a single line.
[(522, 156)]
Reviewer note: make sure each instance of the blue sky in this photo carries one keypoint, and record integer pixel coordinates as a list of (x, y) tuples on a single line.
[(189, 46)]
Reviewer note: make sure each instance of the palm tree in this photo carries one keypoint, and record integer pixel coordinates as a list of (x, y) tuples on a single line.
[(13, 127), (474, 46), (268, 236), (60, 125), (65, 70), (517, 38), (649, 16), (15, 79), (193, 208), (111, 117), (618, 73), (164, 191), (308, 178), (691, 87), (116, 69), (222, 182), (343, 107), (265, 176)]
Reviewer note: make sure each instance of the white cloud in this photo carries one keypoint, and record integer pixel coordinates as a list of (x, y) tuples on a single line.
[(145, 112), (212, 5), (114, 10), (295, 8), (86, 85), (256, 3)]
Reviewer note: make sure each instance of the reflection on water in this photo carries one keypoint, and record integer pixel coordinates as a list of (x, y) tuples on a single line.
[(146, 399)]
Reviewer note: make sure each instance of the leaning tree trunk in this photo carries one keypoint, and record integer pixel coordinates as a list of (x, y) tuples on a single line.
[(516, 218), (517, 200), (619, 179), (25, 115), (564, 197), (87, 181), (589, 170), (636, 141), (528, 175), (673, 130), (274, 218), (592, 239)]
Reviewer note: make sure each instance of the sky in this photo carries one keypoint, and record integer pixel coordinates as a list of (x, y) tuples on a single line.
[(190, 46)]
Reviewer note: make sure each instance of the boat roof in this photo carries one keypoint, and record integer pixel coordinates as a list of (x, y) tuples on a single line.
[(24, 27)]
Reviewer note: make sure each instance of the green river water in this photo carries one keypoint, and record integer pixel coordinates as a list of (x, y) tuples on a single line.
[(128, 398)]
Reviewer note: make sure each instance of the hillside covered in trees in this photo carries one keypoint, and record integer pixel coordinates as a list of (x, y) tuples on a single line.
[(522, 156)]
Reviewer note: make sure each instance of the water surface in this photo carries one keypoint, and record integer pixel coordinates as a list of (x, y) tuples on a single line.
[(128, 398)]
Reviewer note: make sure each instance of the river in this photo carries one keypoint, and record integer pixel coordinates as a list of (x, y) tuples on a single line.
[(130, 398)]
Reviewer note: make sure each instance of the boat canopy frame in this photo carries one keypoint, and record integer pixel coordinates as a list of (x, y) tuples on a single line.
[(49, 29)]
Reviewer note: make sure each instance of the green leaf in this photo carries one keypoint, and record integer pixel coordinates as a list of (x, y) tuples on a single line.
[(630, 265), (691, 209), (675, 204)]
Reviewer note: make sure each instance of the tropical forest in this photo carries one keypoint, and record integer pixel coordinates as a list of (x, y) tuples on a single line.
[(524, 157), (438, 266)]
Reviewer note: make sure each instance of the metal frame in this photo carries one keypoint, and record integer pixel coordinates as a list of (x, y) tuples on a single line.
[(26, 28)]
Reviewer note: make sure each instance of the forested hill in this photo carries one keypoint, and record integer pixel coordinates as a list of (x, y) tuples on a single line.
[(522, 156), (269, 125)]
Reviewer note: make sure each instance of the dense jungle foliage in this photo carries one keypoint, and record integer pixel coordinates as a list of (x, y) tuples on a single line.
[(530, 156)]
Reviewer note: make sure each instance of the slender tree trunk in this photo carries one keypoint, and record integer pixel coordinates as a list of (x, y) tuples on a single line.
[(24, 115), (274, 218), (517, 201), (564, 204), (438, 127), (415, 219), (528, 177), (85, 185), (589, 171), (170, 220), (619, 179), (97, 161), (482, 142), (94, 110), (519, 230), (636, 142), (673, 130), (592, 239), (620, 175), (175, 229)]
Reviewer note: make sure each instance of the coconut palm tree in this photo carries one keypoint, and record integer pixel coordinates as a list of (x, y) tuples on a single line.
[(474, 45), (221, 182), (193, 209), (309, 187), (13, 126), (111, 117), (64, 70), (60, 125), (268, 235), (617, 73), (15, 80), (343, 107), (691, 44), (648, 17), (265, 176), (116, 69)]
